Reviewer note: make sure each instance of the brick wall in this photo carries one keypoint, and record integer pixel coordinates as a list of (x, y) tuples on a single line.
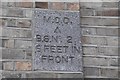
[(99, 22), (100, 39)]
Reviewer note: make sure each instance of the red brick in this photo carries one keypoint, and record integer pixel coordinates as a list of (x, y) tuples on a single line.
[(24, 4), (58, 6), (43, 5), (85, 40), (21, 66), (73, 6)]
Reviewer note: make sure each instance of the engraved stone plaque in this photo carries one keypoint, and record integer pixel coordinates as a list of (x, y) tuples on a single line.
[(57, 41)]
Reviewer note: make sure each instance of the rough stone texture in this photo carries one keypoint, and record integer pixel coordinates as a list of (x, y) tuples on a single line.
[(71, 29)]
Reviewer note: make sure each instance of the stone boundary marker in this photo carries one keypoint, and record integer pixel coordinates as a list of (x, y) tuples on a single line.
[(57, 41)]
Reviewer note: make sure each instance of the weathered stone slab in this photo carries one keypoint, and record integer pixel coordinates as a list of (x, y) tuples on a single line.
[(57, 41)]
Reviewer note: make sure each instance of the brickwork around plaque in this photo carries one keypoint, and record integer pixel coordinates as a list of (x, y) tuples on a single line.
[(99, 23)]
